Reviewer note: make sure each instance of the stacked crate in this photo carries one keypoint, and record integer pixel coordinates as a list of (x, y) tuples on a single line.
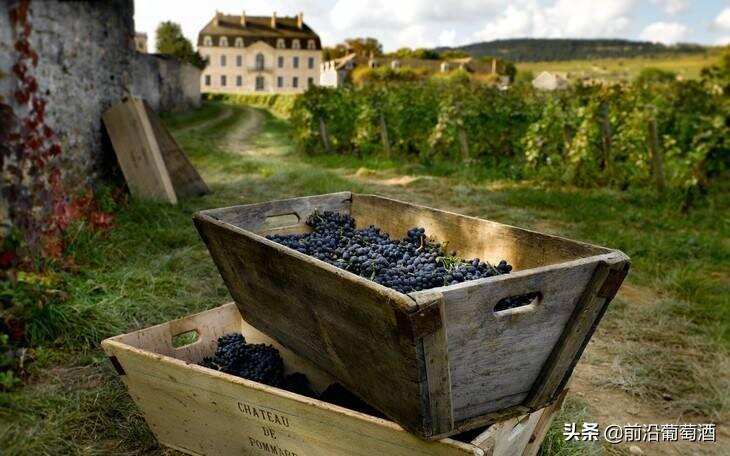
[(438, 362)]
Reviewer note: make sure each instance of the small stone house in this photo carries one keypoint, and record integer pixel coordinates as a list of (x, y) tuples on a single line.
[(550, 81)]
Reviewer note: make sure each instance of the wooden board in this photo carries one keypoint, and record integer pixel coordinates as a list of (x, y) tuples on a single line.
[(204, 412), (458, 363), (184, 177), (140, 159), (153, 164)]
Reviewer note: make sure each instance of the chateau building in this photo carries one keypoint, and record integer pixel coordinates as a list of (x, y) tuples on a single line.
[(266, 54)]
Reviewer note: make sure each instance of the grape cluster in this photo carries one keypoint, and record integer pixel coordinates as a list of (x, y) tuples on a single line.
[(263, 363), (258, 362), (410, 264)]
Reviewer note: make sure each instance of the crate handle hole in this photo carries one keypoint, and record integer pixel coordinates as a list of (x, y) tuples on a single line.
[(522, 303), (186, 338), (280, 221)]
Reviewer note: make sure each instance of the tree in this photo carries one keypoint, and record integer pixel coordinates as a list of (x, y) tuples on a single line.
[(364, 47), (334, 52), (170, 40)]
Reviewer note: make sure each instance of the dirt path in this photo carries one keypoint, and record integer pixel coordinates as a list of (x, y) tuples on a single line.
[(224, 114), (241, 138), (606, 405)]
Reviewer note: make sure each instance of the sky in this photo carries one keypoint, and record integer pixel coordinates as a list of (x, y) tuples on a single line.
[(429, 23)]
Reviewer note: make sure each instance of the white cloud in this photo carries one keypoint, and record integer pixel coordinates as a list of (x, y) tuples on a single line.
[(664, 32), (723, 40), (723, 19), (447, 38), (416, 36), (564, 18), (672, 6)]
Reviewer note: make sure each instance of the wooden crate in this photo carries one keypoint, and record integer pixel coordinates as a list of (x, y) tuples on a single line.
[(438, 361), (205, 412)]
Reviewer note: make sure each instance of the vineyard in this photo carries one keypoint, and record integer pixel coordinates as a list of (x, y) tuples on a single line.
[(655, 132)]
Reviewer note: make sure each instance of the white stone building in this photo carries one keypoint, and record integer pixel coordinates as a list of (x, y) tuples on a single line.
[(334, 73), (260, 54), (550, 81)]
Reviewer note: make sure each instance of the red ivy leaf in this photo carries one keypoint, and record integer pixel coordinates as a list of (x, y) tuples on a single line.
[(101, 220), (55, 150), (39, 106), (19, 69), (7, 258), (21, 96), (31, 83), (47, 132)]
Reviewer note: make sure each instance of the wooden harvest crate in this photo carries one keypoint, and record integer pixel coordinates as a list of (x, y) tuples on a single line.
[(438, 361), (205, 412)]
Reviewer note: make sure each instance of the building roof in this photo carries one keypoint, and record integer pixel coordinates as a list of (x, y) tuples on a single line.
[(257, 28)]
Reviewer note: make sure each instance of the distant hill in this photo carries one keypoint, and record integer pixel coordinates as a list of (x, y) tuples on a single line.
[(549, 49)]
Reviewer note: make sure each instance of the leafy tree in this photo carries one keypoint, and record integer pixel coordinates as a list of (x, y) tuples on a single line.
[(364, 46), (170, 40), (651, 75), (510, 70), (334, 52)]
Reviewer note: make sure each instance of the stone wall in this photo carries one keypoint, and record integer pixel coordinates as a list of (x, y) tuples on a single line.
[(86, 63), (165, 83), (84, 54)]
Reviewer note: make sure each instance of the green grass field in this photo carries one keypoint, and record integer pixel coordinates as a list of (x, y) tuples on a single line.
[(665, 336), (687, 66)]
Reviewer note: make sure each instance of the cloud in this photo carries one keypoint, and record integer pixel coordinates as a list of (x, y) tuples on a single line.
[(723, 19), (672, 6), (563, 18), (664, 32), (723, 40), (447, 38), (416, 36)]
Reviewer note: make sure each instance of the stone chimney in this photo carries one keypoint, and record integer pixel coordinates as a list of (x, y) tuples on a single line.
[(217, 20), (300, 20), (243, 18), (273, 20), (494, 66)]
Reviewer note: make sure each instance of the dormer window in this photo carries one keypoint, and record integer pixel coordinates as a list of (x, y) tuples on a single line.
[(311, 45), (295, 44), (280, 43), (223, 42), (207, 41), (239, 42)]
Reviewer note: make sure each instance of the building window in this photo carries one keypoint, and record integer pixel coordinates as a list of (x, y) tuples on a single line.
[(311, 44), (295, 44), (207, 41), (207, 79), (239, 42), (223, 42), (280, 62), (239, 60), (310, 82), (295, 62), (223, 80), (259, 83), (295, 82), (239, 80), (280, 43), (223, 60), (310, 63), (259, 61), (279, 81)]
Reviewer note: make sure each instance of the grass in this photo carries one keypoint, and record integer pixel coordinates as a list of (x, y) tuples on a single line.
[(687, 66), (671, 339)]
